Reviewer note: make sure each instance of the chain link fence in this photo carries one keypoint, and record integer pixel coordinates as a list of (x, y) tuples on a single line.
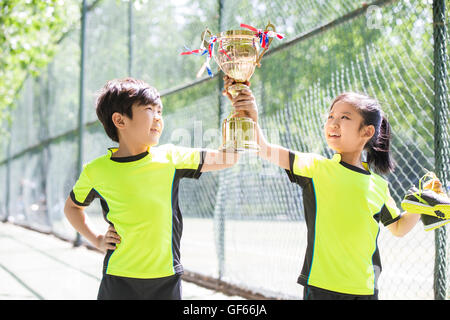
[(245, 225)]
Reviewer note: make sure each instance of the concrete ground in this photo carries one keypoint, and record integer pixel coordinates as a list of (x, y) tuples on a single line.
[(39, 266)]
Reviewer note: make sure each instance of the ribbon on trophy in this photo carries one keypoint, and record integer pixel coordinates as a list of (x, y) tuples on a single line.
[(202, 51), (263, 35), (207, 46)]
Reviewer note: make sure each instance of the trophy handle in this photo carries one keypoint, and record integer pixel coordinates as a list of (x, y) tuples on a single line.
[(203, 36), (269, 25)]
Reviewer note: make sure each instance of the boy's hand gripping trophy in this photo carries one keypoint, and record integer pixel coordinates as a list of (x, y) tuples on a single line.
[(237, 52)]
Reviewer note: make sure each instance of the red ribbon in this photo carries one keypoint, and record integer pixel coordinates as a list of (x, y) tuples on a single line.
[(203, 51), (192, 52), (263, 35), (250, 27)]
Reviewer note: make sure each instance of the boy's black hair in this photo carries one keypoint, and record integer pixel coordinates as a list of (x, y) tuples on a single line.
[(119, 95)]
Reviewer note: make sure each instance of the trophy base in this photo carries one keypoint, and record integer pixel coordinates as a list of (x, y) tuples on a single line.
[(239, 135)]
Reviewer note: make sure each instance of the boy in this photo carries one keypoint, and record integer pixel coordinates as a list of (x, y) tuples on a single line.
[(137, 184)]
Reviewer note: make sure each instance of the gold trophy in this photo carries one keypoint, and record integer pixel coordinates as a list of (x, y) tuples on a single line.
[(238, 52)]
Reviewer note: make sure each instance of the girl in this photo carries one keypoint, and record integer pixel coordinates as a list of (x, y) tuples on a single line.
[(344, 198)]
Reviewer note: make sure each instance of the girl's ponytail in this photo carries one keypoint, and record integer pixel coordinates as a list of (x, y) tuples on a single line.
[(378, 152)]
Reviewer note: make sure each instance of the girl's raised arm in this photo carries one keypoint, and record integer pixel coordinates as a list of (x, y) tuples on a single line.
[(273, 153)]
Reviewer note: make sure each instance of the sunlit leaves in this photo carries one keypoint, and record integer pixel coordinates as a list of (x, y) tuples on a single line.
[(29, 32)]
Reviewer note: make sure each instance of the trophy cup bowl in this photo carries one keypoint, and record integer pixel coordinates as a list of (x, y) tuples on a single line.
[(237, 54)]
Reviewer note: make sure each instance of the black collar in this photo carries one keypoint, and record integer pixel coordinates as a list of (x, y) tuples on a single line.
[(352, 167), (130, 158)]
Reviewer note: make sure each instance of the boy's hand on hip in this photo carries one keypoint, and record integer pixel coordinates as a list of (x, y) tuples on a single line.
[(109, 240)]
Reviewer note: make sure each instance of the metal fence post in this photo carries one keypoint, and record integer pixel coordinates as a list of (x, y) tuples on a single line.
[(81, 101), (8, 175), (219, 211), (130, 38), (441, 138)]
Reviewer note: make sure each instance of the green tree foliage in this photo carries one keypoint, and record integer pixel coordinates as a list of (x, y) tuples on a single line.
[(29, 32)]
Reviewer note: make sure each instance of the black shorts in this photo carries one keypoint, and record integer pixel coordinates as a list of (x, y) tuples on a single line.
[(313, 293), (123, 288)]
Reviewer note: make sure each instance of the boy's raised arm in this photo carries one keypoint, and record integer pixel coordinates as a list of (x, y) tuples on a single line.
[(217, 160)]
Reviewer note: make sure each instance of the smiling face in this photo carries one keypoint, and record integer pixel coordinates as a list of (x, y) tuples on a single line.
[(148, 123), (344, 131), (144, 128)]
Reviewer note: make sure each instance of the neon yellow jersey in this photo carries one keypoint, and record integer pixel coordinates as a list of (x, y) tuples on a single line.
[(343, 206), (139, 196)]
